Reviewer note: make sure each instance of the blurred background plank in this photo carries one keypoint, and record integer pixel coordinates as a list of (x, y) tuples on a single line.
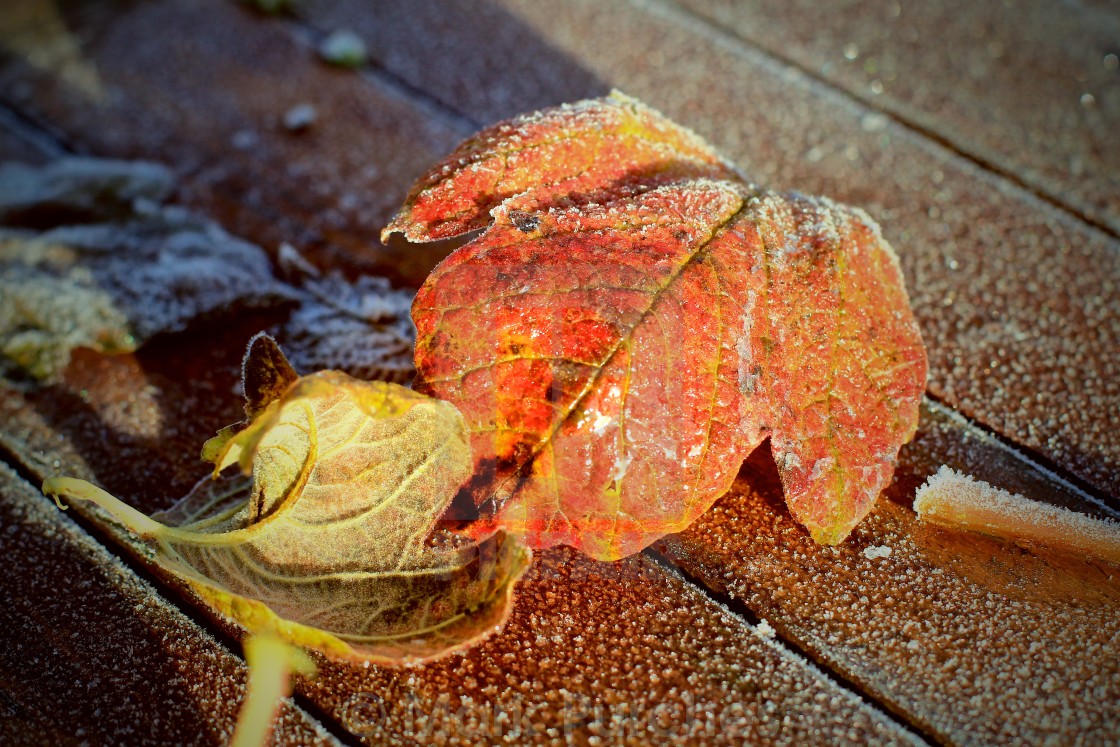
[(203, 87), (1028, 87)]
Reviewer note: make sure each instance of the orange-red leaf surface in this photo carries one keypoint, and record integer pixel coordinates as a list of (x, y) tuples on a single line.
[(636, 319), (577, 151)]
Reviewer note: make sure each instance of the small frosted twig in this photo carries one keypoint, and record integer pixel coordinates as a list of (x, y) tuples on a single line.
[(958, 501)]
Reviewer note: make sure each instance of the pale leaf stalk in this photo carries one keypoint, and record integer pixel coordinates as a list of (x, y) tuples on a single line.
[(271, 662), (143, 525), (135, 521)]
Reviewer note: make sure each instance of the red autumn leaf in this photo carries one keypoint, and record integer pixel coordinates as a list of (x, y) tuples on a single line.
[(636, 319)]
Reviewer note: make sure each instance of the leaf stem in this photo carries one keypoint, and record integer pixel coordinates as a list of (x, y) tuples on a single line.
[(270, 661), (134, 520), (139, 523)]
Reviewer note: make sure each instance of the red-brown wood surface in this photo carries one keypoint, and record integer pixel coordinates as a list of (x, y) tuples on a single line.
[(991, 175)]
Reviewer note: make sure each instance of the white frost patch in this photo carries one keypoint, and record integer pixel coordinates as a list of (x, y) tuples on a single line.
[(695, 450), (959, 501), (819, 467), (747, 379), (621, 465), (601, 424), (764, 629), (876, 551)]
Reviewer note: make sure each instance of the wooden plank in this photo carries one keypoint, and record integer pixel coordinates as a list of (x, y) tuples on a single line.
[(91, 654), (474, 56), (619, 653), (647, 649), (635, 642), (974, 640), (19, 142), (953, 630), (974, 273), (107, 409), (203, 87), (1003, 344), (1028, 86)]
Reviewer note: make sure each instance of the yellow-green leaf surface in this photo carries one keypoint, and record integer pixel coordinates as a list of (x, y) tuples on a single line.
[(334, 541)]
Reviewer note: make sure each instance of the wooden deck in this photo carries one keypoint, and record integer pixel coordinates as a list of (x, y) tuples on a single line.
[(980, 135)]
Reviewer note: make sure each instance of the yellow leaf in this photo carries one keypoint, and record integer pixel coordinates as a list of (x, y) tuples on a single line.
[(334, 542)]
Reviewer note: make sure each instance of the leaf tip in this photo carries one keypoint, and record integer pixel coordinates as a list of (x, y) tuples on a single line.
[(831, 535), (393, 227), (52, 490), (265, 373)]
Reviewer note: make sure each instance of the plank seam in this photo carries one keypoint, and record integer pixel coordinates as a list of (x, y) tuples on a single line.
[(739, 608), (39, 135), (304, 32)]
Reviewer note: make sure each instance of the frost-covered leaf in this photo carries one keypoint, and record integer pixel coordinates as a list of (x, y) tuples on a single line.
[(636, 319), (78, 190), (361, 327), (112, 285), (51, 307), (835, 358), (580, 151), (334, 542)]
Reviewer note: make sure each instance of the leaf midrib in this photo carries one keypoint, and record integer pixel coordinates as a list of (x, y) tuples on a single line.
[(546, 441)]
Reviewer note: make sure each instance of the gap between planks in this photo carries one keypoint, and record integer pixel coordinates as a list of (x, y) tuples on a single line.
[(304, 32), (740, 609)]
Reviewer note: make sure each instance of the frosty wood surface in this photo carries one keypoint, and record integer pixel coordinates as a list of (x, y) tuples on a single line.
[(1015, 299), (93, 654), (13, 144), (970, 639), (1028, 87), (609, 653), (475, 57), (963, 639)]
